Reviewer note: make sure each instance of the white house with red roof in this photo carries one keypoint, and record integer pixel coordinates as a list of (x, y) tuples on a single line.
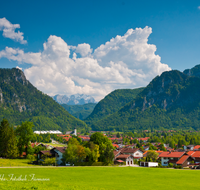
[(125, 158), (135, 152), (170, 157)]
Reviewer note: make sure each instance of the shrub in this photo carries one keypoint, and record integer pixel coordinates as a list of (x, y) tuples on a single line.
[(98, 164), (49, 161), (178, 167), (170, 165), (31, 158), (135, 162)]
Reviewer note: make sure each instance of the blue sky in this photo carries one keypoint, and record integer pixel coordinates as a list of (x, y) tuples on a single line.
[(175, 35)]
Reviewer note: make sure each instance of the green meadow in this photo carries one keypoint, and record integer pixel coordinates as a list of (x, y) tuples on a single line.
[(14, 162), (84, 178)]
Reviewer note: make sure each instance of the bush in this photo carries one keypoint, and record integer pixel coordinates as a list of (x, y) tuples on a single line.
[(135, 162), (31, 158), (178, 167), (98, 164), (49, 161), (170, 165), (82, 164)]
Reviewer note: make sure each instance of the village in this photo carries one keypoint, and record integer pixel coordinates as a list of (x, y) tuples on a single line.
[(139, 153)]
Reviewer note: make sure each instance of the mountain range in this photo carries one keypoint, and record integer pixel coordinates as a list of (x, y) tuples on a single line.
[(170, 101), (77, 99)]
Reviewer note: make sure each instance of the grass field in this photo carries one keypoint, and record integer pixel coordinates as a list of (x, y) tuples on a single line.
[(14, 162), (83, 178), (56, 145)]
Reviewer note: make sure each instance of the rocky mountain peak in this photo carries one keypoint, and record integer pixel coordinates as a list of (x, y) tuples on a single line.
[(76, 99)]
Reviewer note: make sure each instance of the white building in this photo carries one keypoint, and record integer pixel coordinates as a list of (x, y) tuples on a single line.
[(48, 132)]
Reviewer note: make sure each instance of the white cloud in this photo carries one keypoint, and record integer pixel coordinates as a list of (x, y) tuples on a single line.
[(123, 62), (199, 7), (18, 68), (9, 31), (84, 49)]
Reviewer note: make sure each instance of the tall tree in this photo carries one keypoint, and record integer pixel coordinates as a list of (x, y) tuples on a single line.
[(8, 141), (25, 134), (4, 137), (105, 147), (12, 150), (74, 152)]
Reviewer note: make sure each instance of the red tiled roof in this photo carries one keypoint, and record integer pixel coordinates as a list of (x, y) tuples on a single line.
[(182, 159), (116, 145), (123, 156), (196, 154), (116, 152), (171, 154), (190, 153), (23, 153), (145, 152), (129, 150), (113, 138), (61, 149), (143, 139), (84, 137), (196, 147)]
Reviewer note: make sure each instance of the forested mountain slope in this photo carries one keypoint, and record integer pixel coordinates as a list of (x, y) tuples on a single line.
[(112, 103), (80, 111), (170, 101), (21, 101)]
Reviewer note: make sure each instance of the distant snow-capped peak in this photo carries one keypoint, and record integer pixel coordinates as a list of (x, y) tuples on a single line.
[(76, 99)]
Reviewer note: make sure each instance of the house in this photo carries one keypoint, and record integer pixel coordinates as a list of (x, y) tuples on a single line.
[(45, 153), (47, 132), (116, 153), (124, 158), (188, 147), (184, 161), (195, 155), (56, 152), (145, 139), (84, 137), (71, 132), (197, 147), (171, 157), (115, 145), (59, 151), (135, 152), (146, 148)]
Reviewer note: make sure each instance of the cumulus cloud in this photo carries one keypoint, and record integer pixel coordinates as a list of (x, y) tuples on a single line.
[(126, 61), (84, 49), (9, 31)]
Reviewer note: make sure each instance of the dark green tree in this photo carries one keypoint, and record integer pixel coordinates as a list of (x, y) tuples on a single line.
[(8, 141), (4, 137), (25, 134), (105, 147), (12, 149)]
